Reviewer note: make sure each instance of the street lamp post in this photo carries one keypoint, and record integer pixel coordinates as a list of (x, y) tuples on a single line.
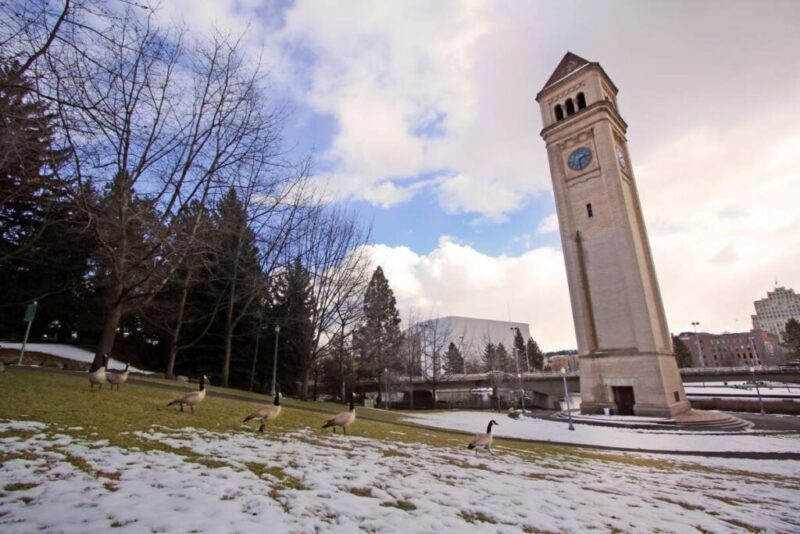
[(758, 392), (275, 359), (566, 397), (519, 376), (695, 324), (386, 389)]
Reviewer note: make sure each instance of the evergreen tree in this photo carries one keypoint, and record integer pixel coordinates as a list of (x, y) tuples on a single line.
[(683, 355), (520, 353), (504, 360), (791, 338), (535, 355), (44, 250), (293, 312), (378, 340), (489, 358), (235, 278), (454, 359)]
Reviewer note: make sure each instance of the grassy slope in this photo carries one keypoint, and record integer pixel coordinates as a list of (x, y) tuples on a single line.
[(65, 401)]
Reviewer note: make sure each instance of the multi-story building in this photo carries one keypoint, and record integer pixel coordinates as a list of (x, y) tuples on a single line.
[(737, 349), (773, 312)]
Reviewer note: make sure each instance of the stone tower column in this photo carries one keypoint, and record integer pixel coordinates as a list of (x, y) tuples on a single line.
[(625, 350)]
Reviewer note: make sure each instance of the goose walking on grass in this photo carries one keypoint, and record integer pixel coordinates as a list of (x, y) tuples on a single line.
[(99, 376), (193, 398), (267, 413), (483, 441), (343, 419), (117, 379)]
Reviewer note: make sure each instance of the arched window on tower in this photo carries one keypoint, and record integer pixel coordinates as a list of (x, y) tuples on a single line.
[(570, 107), (559, 112), (581, 101)]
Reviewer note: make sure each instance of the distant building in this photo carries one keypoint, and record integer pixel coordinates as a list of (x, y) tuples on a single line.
[(567, 359), (471, 335), (773, 312), (737, 349)]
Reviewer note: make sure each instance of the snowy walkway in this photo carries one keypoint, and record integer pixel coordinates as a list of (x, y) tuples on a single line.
[(68, 352), (304, 482), (643, 440)]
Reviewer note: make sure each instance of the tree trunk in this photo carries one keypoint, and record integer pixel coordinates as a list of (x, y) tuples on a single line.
[(113, 316), (173, 344), (226, 366)]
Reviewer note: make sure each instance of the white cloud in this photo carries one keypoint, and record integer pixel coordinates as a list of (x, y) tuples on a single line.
[(548, 225), (456, 279), (721, 206), (412, 88)]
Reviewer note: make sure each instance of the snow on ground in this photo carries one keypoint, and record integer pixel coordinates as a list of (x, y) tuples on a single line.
[(628, 438), (69, 352), (305, 482)]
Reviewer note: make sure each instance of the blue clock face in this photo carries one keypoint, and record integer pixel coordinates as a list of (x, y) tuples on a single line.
[(579, 159)]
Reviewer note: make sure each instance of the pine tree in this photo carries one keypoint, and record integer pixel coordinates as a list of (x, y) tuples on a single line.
[(791, 338), (503, 360), (520, 353), (455, 361), (236, 275), (535, 355), (44, 250), (378, 340), (489, 358), (683, 355), (293, 313)]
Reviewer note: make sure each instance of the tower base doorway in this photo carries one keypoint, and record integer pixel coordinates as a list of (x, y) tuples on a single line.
[(624, 399)]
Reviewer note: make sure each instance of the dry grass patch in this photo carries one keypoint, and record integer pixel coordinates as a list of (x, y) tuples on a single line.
[(362, 492), (20, 486), (401, 504), (477, 517)]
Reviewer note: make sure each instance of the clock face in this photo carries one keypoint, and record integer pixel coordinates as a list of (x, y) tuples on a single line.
[(621, 157), (579, 159)]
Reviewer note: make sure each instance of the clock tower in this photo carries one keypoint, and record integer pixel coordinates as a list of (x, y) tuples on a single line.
[(625, 350)]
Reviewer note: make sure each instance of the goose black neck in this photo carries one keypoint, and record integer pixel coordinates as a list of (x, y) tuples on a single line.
[(202, 382), (277, 401), (489, 428), (126, 366)]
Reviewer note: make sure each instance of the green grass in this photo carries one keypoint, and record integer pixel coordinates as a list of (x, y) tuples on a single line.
[(65, 402)]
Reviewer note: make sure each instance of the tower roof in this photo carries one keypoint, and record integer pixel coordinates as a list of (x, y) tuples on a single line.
[(569, 63)]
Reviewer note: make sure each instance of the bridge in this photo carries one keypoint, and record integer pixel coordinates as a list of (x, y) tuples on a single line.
[(543, 388)]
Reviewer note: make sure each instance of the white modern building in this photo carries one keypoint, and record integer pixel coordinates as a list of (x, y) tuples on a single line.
[(773, 312), (471, 334)]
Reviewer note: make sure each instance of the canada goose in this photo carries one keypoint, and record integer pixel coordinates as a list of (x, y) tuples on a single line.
[(266, 413), (483, 440), (117, 379), (192, 398), (514, 413), (343, 419), (99, 376)]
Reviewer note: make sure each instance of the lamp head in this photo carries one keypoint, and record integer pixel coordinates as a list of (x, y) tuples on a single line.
[(563, 371)]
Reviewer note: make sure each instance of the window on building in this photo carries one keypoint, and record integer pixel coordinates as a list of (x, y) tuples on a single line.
[(570, 107), (589, 210), (581, 101), (559, 112)]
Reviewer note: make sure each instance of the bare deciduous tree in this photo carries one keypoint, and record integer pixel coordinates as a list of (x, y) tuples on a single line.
[(155, 123)]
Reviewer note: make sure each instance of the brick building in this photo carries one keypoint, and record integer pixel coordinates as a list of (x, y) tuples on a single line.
[(736, 349)]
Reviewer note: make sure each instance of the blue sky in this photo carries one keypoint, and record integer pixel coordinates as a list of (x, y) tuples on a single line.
[(421, 116)]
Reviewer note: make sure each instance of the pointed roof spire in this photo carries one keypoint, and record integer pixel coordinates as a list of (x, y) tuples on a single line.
[(569, 63)]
